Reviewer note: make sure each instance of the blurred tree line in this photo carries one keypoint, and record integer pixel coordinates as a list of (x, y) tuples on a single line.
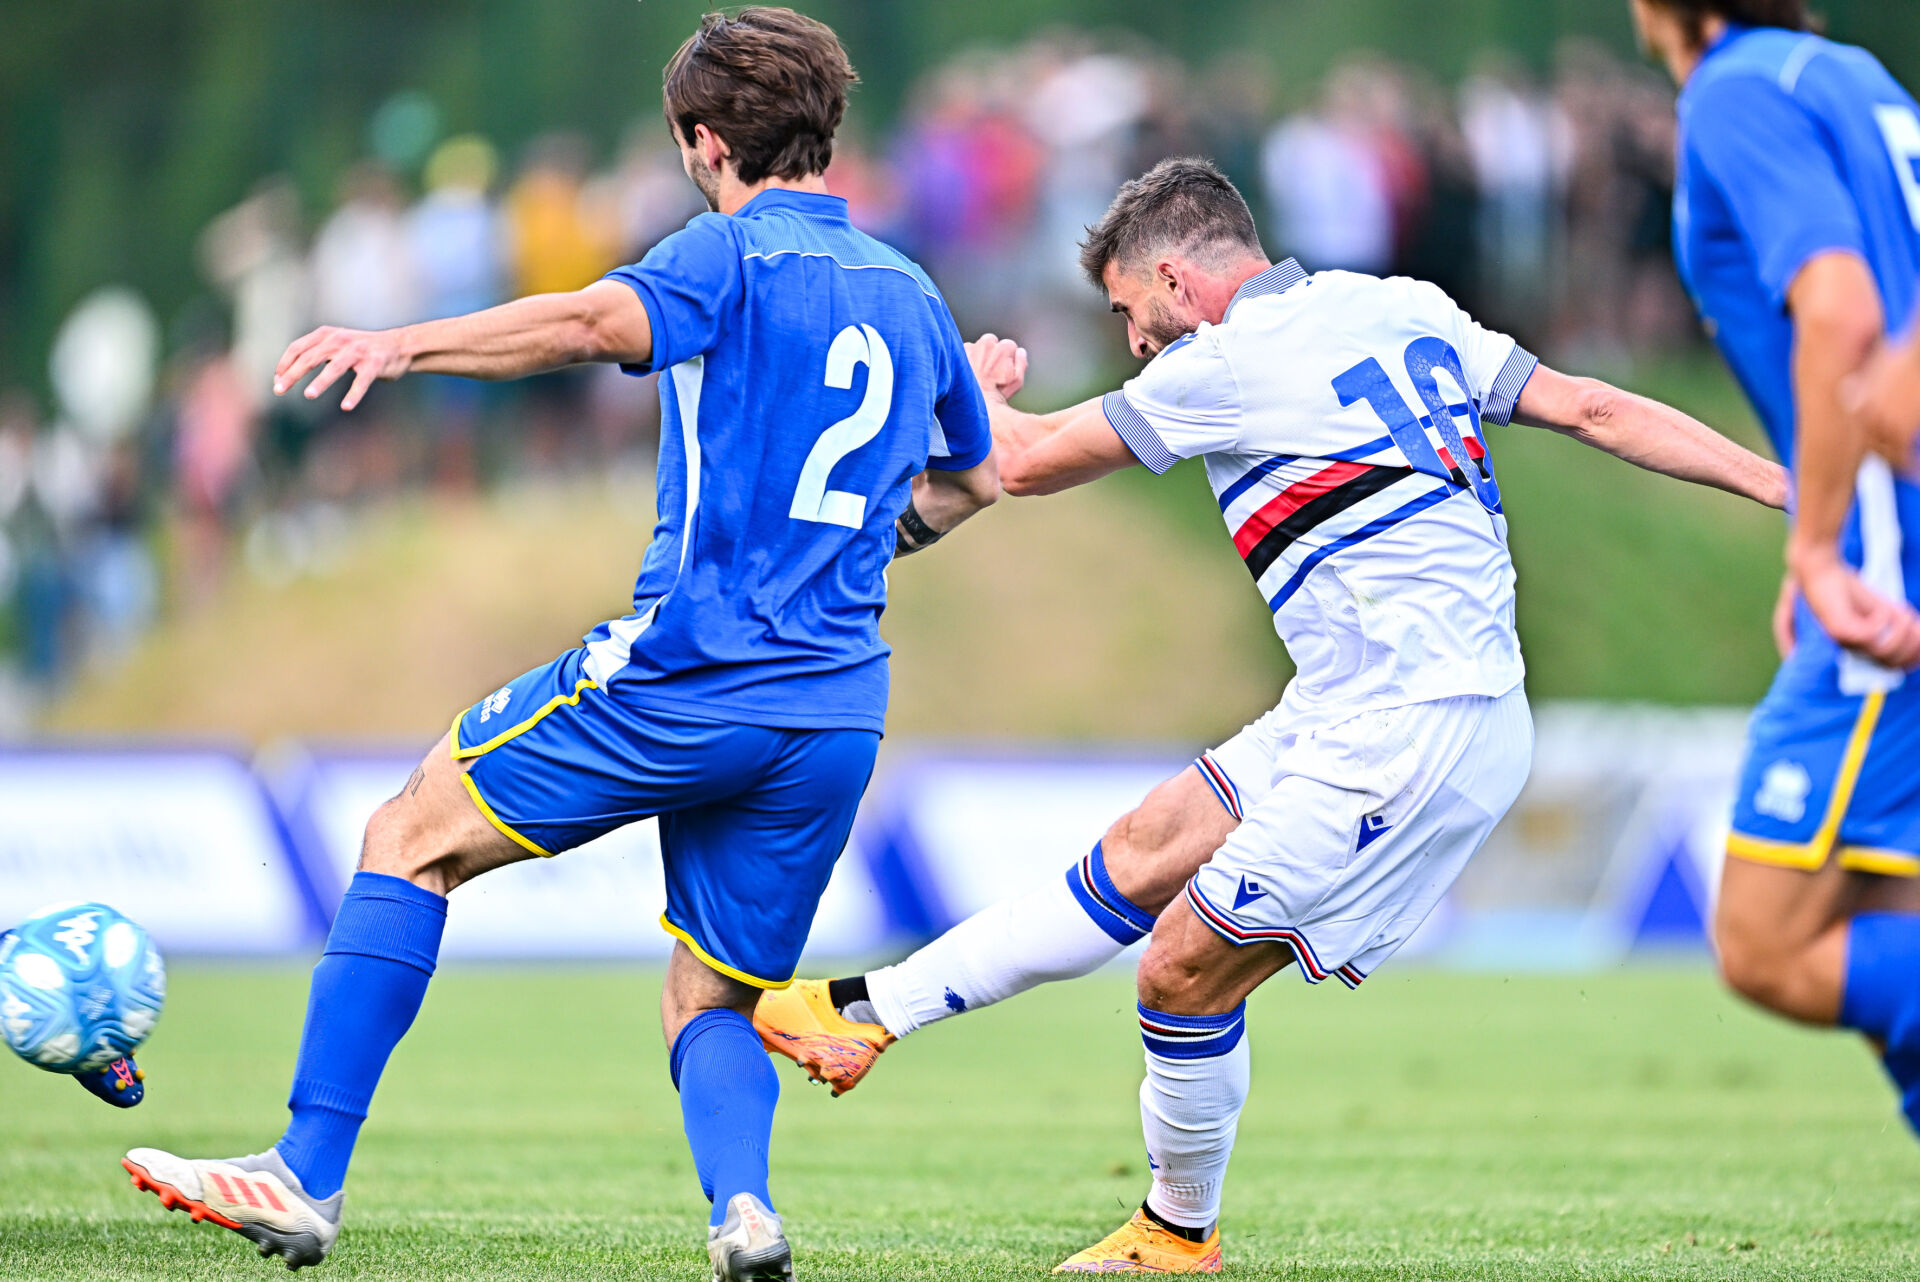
[(125, 127)]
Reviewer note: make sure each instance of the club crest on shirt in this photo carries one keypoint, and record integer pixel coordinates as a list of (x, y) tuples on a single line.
[(1783, 792)]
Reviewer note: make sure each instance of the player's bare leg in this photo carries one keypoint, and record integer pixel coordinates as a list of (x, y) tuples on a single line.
[(1193, 987), (1828, 946), (367, 988), (836, 1030), (1781, 933), (700, 1010)]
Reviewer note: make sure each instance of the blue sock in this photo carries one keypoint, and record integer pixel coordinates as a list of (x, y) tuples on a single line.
[(1882, 997), (366, 991), (727, 1092)]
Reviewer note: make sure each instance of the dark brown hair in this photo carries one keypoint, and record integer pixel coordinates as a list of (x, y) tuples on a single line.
[(1791, 14), (771, 82), (1184, 204)]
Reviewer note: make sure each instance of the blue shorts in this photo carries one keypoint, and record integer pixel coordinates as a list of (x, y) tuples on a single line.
[(1832, 775), (752, 819)]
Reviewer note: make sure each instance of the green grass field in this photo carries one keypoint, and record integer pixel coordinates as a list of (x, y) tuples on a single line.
[(1637, 1124)]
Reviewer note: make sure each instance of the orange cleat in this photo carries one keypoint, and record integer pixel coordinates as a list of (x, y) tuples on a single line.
[(1141, 1246), (800, 1022)]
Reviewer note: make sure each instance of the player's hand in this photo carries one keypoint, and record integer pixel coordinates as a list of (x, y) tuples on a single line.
[(367, 354), (1854, 615), (1886, 397), (1783, 609), (1000, 364)]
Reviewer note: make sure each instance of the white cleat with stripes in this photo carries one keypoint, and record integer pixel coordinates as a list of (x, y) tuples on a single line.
[(257, 1197)]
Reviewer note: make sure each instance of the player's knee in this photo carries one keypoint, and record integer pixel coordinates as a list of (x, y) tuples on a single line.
[(394, 843), (1754, 964), (1168, 980)]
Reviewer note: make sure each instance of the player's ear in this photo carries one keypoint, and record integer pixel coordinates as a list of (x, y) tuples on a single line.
[(1169, 277), (712, 147)]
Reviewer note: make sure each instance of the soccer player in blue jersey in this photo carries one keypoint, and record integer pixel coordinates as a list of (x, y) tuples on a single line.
[(819, 417), (1797, 227)]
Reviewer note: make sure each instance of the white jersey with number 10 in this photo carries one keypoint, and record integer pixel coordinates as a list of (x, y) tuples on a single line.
[(1340, 417)]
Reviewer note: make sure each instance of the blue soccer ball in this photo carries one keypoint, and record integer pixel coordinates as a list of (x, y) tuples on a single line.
[(80, 986)]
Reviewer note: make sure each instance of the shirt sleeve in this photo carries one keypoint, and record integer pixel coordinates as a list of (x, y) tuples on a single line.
[(691, 284), (1184, 404), (963, 434), (1766, 156)]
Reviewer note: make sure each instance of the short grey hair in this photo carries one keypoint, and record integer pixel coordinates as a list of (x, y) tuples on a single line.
[(1183, 204)]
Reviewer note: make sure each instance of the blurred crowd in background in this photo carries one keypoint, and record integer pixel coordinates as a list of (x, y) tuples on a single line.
[(163, 463)]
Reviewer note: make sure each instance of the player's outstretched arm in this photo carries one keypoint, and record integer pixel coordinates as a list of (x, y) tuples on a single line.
[(941, 501), (606, 321), (1042, 453), (1648, 434)]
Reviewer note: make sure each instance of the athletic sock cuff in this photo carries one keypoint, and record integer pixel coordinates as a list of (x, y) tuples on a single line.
[(1124, 921), (1192, 1036), (705, 1022), (390, 918), (330, 1098), (1186, 1231)]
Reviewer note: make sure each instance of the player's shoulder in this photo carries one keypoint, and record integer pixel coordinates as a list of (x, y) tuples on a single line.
[(1344, 298), (1768, 64), (780, 235)]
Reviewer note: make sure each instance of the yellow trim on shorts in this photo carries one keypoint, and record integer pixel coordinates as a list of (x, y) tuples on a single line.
[(1888, 863), (461, 754), (1812, 855), (473, 791), (716, 964), (1803, 855)]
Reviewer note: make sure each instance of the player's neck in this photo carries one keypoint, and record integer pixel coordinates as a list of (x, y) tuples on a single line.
[(1683, 55), (735, 194), (1218, 291)]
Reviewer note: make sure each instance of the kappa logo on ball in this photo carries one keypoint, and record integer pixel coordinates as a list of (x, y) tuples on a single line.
[(1783, 792), (76, 934)]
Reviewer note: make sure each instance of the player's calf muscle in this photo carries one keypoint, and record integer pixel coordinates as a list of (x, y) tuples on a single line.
[(1152, 850)]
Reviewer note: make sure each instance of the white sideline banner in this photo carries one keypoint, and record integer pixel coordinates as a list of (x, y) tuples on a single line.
[(601, 900), (984, 827), (185, 842)]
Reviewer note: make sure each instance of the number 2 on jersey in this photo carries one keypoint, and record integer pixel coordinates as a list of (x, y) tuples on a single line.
[(1901, 129), (812, 501)]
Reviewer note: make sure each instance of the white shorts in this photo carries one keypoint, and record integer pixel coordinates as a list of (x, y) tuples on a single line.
[(1351, 834)]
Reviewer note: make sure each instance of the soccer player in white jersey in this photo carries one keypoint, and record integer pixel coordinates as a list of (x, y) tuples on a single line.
[(1340, 418)]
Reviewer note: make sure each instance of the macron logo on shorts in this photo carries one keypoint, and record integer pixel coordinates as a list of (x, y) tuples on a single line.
[(1248, 892), (1372, 829)]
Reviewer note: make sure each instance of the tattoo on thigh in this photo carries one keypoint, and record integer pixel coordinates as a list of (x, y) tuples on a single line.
[(413, 784)]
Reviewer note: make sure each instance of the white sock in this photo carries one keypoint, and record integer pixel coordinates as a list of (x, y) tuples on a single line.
[(1017, 944), (1198, 1070)]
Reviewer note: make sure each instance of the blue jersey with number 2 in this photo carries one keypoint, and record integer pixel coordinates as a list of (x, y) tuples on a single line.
[(808, 373)]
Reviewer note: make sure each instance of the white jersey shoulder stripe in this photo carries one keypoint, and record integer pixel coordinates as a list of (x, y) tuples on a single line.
[(843, 266)]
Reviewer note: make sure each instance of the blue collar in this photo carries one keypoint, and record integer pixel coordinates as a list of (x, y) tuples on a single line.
[(1733, 32), (1277, 279), (812, 204)]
